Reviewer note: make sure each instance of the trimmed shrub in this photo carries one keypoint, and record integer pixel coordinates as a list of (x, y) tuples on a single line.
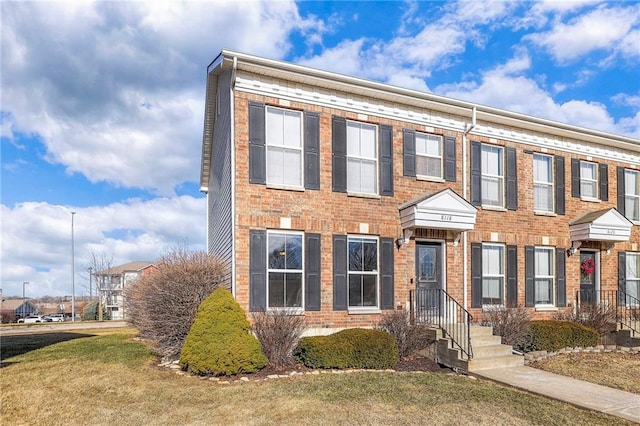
[(600, 317), (512, 324), (278, 332), (351, 348), (219, 342), (552, 335), (409, 338)]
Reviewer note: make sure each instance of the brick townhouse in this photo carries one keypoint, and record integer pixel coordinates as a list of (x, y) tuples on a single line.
[(341, 198)]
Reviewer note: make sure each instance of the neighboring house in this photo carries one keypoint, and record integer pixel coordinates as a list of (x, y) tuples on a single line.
[(16, 308), (341, 198), (111, 282)]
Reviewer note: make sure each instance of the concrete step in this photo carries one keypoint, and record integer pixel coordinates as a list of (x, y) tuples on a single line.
[(491, 350), (502, 361), (480, 330), (627, 338), (485, 340)]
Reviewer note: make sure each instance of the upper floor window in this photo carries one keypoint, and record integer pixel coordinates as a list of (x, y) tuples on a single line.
[(362, 158), (284, 269), (632, 195), (543, 186), (284, 147), (362, 272), (544, 275), (429, 155), (588, 180), (492, 189), (493, 274)]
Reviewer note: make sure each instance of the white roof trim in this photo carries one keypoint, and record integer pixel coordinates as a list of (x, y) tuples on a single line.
[(602, 225), (443, 210)]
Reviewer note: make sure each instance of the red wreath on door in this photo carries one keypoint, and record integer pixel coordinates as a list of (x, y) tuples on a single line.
[(588, 266)]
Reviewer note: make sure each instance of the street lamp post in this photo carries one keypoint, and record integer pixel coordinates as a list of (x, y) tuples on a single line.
[(24, 300), (73, 272)]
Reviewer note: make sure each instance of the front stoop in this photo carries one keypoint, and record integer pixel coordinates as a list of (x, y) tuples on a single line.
[(626, 338), (488, 352)]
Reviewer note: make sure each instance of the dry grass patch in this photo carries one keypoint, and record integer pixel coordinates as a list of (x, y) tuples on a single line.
[(620, 370), (112, 379)]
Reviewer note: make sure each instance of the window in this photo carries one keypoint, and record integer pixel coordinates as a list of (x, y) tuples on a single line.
[(362, 158), (543, 183), (362, 272), (284, 269), (588, 180), (632, 195), (633, 278), (429, 155), (544, 275), (492, 188), (492, 274), (284, 147)]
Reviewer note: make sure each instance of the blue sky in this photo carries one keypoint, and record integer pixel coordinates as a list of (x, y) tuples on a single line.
[(101, 103)]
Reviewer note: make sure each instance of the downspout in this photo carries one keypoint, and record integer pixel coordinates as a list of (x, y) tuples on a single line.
[(465, 251), (232, 85)]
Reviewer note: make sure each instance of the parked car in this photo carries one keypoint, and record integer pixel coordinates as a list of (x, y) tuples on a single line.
[(56, 317), (34, 319)]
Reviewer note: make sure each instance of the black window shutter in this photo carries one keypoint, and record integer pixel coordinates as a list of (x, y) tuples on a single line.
[(450, 159), (408, 152), (512, 179), (603, 177), (560, 187), (476, 173), (311, 150), (621, 189), (339, 272), (622, 278), (512, 276), (561, 278), (529, 276), (257, 155), (257, 270), (339, 153), (575, 177), (387, 247), (312, 272), (476, 275), (386, 160)]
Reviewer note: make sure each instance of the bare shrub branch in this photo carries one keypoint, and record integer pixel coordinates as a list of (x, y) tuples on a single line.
[(163, 304), (598, 316), (512, 324), (278, 332), (410, 338)]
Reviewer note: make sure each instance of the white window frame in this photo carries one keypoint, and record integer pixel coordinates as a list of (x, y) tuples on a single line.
[(633, 279), (551, 278), (632, 195), (282, 147), (300, 308), (540, 184), (364, 308), (488, 177), (361, 159), (590, 181), (501, 276), (428, 140)]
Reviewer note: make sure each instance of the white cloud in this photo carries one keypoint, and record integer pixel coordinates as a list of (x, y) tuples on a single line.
[(115, 89), (36, 238), (603, 29)]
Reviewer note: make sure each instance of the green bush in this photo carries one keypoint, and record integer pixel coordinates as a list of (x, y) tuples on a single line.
[(91, 312), (552, 335), (351, 348), (219, 342)]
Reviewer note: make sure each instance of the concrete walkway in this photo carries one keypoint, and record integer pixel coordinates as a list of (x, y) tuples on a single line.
[(575, 392)]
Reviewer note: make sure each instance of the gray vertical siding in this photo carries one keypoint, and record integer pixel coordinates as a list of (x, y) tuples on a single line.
[(220, 238)]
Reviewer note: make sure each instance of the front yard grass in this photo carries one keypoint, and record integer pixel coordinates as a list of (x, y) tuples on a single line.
[(620, 370), (108, 378)]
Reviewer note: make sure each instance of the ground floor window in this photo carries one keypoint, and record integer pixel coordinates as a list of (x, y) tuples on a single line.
[(544, 275), (284, 269), (362, 271), (633, 278), (493, 274)]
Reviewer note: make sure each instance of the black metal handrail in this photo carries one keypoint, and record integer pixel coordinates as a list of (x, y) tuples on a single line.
[(625, 307), (437, 308)]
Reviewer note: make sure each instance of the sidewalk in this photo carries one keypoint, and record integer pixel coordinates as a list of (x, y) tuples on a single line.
[(575, 392)]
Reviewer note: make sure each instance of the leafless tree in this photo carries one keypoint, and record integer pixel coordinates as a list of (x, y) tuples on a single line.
[(101, 264)]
